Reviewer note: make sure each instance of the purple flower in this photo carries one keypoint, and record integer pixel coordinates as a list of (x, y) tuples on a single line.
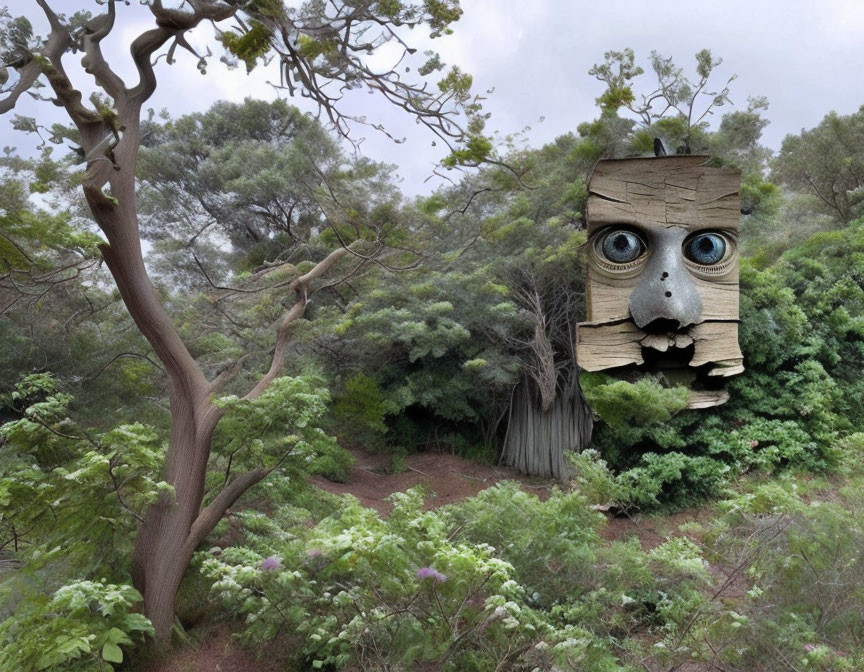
[(809, 647), (272, 563), (314, 552), (430, 573)]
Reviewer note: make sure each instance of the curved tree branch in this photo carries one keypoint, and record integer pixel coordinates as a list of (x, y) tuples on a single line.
[(300, 286), (93, 61)]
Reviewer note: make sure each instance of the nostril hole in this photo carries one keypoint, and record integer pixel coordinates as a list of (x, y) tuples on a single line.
[(668, 294), (664, 275)]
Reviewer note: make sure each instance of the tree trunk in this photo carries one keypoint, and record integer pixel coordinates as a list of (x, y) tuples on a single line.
[(176, 524), (537, 439), (164, 545)]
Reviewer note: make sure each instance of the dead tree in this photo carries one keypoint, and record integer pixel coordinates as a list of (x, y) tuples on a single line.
[(548, 415)]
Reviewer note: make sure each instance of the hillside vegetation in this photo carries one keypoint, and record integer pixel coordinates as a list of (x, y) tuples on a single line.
[(429, 325)]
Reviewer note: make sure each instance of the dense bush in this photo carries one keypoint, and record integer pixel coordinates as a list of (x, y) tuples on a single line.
[(80, 629), (71, 497), (507, 581), (500, 580), (800, 561)]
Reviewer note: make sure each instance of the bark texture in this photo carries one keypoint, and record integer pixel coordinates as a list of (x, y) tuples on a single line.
[(537, 438)]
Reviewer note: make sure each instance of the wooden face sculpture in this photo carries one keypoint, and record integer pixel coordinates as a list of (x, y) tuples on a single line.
[(663, 272)]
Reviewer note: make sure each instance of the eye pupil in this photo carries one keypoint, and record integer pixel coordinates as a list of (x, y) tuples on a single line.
[(621, 247), (706, 249)]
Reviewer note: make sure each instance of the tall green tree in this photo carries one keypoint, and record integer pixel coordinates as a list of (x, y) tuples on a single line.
[(316, 44), (827, 163), (475, 347)]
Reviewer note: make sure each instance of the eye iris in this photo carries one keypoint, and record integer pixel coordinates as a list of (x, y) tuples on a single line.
[(621, 247), (707, 249)]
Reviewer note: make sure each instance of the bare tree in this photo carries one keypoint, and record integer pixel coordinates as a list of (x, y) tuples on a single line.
[(548, 415), (322, 49)]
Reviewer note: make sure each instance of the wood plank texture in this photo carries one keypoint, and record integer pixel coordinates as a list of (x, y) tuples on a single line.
[(664, 191), (715, 342), (707, 398), (608, 345)]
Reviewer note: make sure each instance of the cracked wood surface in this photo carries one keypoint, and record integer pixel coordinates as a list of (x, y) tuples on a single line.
[(651, 196), (608, 345), (665, 191)]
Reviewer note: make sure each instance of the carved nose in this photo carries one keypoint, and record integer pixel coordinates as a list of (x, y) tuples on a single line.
[(667, 291)]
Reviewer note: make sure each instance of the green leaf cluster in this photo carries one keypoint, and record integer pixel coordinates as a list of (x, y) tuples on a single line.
[(279, 427), (81, 628)]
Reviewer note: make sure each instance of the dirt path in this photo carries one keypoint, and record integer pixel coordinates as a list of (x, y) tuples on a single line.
[(215, 653), (448, 477)]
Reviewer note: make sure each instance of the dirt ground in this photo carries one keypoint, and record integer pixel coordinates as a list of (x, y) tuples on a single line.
[(215, 653), (651, 530), (449, 478)]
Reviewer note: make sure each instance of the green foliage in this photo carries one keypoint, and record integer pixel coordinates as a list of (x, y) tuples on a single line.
[(618, 68), (623, 405), (671, 479), (827, 163), (477, 149), (435, 326), (280, 427), (359, 569), (502, 577), (251, 45), (80, 629), (56, 473), (672, 110), (360, 411), (34, 238), (802, 561), (552, 546)]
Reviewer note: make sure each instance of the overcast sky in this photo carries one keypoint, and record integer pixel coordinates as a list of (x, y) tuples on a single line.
[(807, 57)]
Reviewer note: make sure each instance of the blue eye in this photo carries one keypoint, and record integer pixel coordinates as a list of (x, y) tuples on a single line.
[(706, 248), (622, 246)]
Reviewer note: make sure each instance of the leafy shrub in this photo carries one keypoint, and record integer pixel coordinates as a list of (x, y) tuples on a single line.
[(672, 479), (81, 629), (281, 426), (802, 564), (388, 593), (590, 474), (54, 473), (358, 412), (632, 413), (501, 580), (551, 545)]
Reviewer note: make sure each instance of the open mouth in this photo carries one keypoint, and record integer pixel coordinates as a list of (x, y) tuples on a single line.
[(700, 356)]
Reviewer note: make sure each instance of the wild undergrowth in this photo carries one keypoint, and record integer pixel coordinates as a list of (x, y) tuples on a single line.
[(506, 581)]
